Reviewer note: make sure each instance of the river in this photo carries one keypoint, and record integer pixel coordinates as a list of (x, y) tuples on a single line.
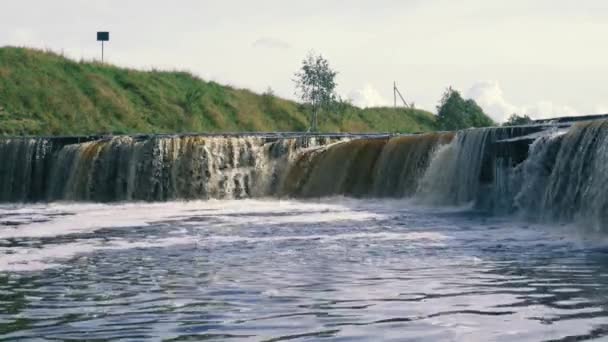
[(335, 269)]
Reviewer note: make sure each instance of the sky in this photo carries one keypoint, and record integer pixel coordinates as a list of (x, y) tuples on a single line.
[(543, 58)]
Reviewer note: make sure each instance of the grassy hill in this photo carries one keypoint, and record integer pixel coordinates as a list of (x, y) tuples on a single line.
[(42, 93)]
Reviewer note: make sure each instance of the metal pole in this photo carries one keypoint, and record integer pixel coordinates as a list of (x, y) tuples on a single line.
[(102, 51)]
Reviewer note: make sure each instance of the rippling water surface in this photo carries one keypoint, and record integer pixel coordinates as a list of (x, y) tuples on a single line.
[(284, 270)]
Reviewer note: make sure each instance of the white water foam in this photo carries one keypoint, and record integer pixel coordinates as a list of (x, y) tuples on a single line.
[(31, 223), (83, 218), (427, 237), (36, 259)]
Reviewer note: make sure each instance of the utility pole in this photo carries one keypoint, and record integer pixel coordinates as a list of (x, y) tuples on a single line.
[(397, 92)]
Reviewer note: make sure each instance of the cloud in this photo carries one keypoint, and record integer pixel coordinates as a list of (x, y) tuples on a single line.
[(489, 95), (271, 43), (367, 96)]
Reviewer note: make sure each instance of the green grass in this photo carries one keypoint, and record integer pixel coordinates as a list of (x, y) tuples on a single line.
[(43, 93)]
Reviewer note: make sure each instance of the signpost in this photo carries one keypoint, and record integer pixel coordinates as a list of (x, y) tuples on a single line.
[(103, 36)]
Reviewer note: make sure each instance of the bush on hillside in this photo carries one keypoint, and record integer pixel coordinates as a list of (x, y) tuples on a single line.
[(456, 113), (517, 120)]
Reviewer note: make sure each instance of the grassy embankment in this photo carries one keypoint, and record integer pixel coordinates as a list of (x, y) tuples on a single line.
[(43, 93)]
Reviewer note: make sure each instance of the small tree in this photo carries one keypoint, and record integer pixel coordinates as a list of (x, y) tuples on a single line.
[(517, 120), (456, 113), (315, 85)]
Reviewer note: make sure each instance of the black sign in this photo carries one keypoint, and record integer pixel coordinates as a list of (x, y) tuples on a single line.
[(103, 36)]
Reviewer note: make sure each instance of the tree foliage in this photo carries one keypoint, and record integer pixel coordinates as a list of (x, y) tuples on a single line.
[(456, 113), (518, 120), (315, 84)]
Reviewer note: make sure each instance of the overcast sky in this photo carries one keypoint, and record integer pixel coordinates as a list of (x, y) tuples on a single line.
[(540, 57)]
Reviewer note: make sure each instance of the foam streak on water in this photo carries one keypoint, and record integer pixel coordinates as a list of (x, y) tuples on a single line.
[(254, 270)]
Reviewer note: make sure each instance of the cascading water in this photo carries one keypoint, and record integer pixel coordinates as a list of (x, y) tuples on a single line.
[(364, 167), (151, 169), (191, 167), (565, 177), (579, 179), (558, 175), (529, 179), (461, 170), (403, 161), (542, 173), (22, 169), (452, 176)]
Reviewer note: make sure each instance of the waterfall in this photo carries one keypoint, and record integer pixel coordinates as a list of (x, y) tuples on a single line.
[(543, 172), (403, 161), (578, 182), (22, 169), (150, 169), (198, 167), (560, 175), (565, 177), (532, 175), (369, 167), (460, 171)]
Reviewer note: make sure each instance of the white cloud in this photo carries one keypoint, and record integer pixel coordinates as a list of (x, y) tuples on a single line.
[(367, 96), (271, 43), (489, 95)]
